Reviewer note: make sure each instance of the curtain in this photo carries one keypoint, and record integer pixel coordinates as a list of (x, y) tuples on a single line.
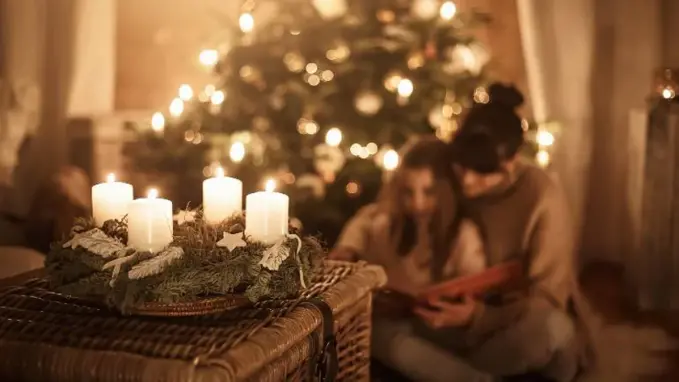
[(557, 39), (38, 42)]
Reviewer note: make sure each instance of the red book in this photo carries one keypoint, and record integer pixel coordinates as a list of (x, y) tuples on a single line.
[(497, 278), (503, 277)]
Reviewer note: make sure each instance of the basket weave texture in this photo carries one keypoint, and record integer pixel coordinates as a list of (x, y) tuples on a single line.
[(46, 336)]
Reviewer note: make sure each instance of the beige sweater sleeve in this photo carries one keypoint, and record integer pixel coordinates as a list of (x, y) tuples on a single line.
[(355, 235), (550, 265)]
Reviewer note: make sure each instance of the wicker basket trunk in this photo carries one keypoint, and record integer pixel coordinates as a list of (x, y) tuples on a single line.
[(45, 336)]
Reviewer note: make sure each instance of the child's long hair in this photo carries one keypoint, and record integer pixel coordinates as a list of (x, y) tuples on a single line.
[(423, 153)]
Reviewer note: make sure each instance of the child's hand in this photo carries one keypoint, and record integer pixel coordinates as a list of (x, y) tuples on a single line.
[(446, 314)]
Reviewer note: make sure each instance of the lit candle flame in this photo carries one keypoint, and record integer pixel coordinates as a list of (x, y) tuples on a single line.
[(110, 178), (219, 172), (153, 193), (270, 185)]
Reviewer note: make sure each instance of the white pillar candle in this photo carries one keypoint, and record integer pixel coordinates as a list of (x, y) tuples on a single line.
[(222, 197), (149, 226), (266, 215), (110, 200)]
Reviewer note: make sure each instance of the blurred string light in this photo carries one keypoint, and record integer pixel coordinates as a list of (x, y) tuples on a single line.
[(405, 88), (218, 97), (237, 152), (668, 93), (448, 10), (208, 57), (390, 160), (176, 107), (542, 158), (158, 122), (544, 138), (392, 80), (307, 126), (185, 92), (333, 137), (246, 22)]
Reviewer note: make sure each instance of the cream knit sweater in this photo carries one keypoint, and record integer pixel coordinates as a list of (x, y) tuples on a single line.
[(366, 234)]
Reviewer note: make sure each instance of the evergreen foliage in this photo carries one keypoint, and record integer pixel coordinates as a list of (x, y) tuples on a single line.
[(194, 268)]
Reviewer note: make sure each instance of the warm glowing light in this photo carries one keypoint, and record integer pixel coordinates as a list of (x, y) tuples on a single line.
[(668, 93), (185, 92), (270, 185), (208, 57), (237, 152), (372, 148), (352, 188), (246, 22), (219, 172), (542, 157), (218, 97), (355, 149), (111, 178), (314, 80), (152, 194), (311, 68), (333, 137), (405, 87), (392, 81), (209, 90), (176, 107), (158, 122), (544, 138), (448, 10), (390, 160)]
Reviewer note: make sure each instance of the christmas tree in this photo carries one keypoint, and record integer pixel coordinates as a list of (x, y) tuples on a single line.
[(319, 97)]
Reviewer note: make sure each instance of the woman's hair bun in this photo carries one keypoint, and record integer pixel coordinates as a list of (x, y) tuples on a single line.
[(505, 95)]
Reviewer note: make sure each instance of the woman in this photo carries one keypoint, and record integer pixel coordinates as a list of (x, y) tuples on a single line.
[(415, 230), (525, 218), (418, 233)]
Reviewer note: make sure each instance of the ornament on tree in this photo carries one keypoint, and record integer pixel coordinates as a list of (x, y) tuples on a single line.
[(425, 9), (416, 60), (330, 9), (386, 16), (467, 58), (446, 130), (440, 113), (294, 61), (328, 160), (339, 53), (368, 102), (392, 79), (353, 189)]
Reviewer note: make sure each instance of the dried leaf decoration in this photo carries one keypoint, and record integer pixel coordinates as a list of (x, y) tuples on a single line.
[(232, 241), (274, 256), (156, 264), (116, 264), (97, 242)]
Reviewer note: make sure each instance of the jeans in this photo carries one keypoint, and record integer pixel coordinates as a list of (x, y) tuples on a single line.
[(543, 341)]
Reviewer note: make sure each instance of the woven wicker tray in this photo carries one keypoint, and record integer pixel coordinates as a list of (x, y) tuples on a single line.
[(194, 308), (46, 336)]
